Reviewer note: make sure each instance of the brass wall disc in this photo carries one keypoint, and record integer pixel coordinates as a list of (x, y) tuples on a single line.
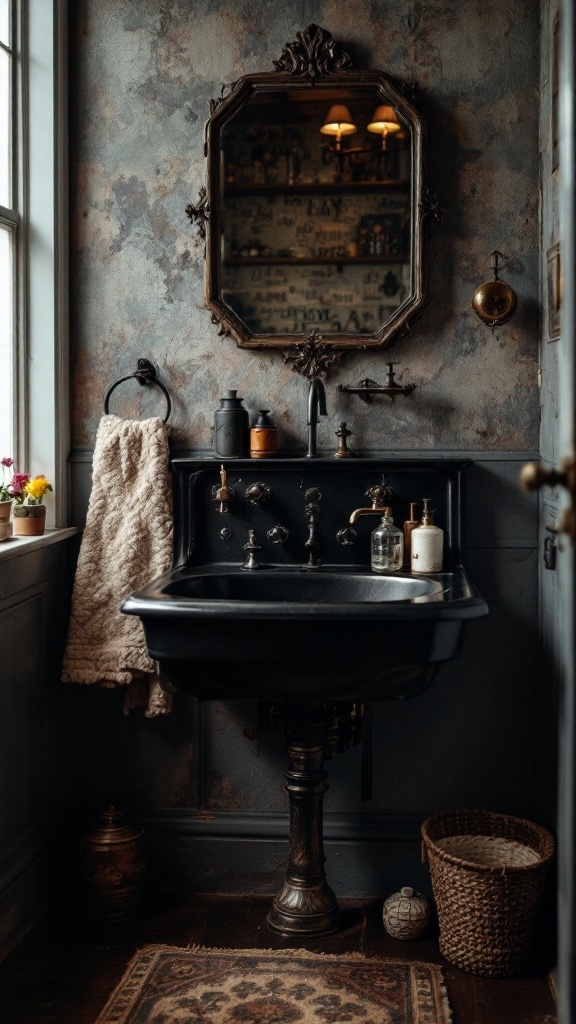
[(494, 302)]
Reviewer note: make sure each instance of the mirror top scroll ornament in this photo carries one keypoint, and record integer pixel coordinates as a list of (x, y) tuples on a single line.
[(314, 241)]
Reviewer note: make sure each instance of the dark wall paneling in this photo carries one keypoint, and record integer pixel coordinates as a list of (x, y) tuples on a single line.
[(33, 614)]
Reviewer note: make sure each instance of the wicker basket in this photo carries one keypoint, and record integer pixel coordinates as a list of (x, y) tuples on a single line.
[(487, 874)]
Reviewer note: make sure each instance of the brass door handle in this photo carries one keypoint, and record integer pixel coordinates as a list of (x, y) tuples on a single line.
[(534, 476)]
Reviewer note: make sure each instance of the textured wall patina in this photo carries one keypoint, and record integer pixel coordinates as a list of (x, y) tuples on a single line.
[(141, 79)]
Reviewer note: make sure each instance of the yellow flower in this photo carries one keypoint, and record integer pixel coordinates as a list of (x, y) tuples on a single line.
[(37, 488)]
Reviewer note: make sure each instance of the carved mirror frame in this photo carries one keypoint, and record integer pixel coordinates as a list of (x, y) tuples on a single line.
[(313, 60)]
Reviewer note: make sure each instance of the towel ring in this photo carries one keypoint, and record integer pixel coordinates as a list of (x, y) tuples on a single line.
[(145, 374)]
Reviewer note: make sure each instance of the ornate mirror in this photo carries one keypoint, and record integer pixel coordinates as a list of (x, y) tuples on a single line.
[(315, 206)]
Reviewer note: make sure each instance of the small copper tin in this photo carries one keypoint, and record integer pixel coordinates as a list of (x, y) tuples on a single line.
[(263, 437)]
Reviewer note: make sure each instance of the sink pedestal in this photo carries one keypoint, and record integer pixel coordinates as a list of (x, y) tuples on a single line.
[(306, 905)]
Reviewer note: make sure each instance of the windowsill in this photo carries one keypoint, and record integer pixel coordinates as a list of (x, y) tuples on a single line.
[(22, 545)]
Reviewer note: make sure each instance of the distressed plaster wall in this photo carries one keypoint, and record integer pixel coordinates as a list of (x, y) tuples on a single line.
[(142, 78)]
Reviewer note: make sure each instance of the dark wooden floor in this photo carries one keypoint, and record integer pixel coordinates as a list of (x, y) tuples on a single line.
[(65, 970)]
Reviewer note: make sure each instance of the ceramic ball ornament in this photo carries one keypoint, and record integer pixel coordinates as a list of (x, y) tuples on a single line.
[(406, 914)]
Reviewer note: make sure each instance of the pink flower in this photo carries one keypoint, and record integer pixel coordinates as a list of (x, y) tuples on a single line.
[(16, 488), (7, 462)]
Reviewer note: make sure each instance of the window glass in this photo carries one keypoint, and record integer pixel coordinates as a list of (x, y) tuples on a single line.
[(5, 22), (5, 148), (6, 343)]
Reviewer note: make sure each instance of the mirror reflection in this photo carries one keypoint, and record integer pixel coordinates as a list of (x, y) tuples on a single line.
[(316, 230)]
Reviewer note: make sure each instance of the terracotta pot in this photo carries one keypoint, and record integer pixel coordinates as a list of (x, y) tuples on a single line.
[(29, 520), (5, 510)]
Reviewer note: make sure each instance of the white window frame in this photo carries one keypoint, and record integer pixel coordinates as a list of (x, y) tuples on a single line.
[(41, 421)]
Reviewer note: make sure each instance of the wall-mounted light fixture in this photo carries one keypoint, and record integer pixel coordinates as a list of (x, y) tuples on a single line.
[(494, 301), (384, 122), (338, 122)]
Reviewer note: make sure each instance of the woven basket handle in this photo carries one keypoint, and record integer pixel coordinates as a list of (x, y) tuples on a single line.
[(423, 852)]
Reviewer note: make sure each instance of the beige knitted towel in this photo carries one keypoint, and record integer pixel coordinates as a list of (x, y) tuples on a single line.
[(127, 541)]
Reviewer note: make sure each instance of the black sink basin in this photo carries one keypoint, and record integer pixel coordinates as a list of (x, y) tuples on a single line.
[(280, 633), (289, 587)]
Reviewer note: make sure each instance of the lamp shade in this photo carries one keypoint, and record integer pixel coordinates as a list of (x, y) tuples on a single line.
[(384, 120), (338, 121)]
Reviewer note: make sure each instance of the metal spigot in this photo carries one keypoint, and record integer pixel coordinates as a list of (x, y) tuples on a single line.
[(311, 544), (378, 494), (376, 510), (223, 494), (316, 407), (251, 547)]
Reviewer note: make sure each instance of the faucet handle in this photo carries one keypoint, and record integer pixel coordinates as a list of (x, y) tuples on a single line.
[(257, 493), (347, 537), (251, 547), (343, 433), (377, 494), (278, 534), (223, 494)]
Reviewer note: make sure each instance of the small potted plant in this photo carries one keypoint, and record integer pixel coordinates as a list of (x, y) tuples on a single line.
[(5, 497), (29, 511)]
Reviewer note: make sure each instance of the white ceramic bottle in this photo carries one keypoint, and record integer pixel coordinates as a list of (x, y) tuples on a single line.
[(427, 544), (387, 544)]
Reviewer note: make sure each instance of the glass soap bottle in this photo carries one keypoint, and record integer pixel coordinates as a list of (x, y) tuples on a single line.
[(387, 545), (427, 542)]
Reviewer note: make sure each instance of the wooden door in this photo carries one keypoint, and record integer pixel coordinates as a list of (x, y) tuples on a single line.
[(567, 447)]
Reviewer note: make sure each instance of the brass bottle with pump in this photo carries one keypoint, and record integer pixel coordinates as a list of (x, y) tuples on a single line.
[(409, 526), (427, 542)]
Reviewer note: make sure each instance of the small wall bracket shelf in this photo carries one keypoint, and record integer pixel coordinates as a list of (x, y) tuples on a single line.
[(367, 388)]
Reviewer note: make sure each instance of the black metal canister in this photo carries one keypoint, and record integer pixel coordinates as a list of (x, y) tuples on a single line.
[(231, 427)]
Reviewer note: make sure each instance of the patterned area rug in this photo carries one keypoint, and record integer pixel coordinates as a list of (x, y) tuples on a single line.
[(165, 985)]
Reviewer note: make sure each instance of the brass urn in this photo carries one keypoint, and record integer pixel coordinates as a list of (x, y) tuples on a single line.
[(112, 868)]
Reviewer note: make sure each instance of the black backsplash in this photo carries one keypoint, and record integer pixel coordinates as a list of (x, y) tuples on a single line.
[(343, 485)]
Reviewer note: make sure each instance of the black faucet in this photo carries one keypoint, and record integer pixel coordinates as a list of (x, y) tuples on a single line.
[(316, 407)]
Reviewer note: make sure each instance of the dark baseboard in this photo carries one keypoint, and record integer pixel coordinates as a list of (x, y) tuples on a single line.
[(367, 855)]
